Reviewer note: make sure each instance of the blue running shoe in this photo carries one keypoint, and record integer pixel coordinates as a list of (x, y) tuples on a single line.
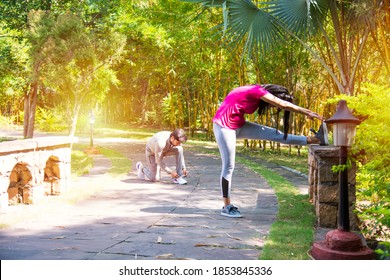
[(231, 211)]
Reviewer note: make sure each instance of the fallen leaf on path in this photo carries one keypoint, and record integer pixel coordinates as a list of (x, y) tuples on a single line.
[(165, 256), (64, 248), (209, 245), (206, 226), (232, 237), (213, 236), (58, 237)]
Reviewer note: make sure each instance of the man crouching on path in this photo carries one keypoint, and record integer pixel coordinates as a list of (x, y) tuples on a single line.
[(159, 146)]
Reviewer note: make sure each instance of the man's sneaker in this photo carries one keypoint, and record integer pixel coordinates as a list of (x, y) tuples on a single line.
[(322, 134), (179, 181), (231, 211), (139, 167)]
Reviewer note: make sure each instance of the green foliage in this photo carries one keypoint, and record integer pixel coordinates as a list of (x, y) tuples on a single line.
[(76, 62), (169, 108), (5, 121), (342, 167), (13, 72), (81, 162), (282, 157), (384, 250), (375, 218), (120, 163), (49, 120)]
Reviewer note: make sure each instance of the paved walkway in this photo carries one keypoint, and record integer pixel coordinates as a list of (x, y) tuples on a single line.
[(127, 218)]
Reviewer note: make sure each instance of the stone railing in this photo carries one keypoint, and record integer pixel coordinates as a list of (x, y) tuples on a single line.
[(324, 186), (32, 168)]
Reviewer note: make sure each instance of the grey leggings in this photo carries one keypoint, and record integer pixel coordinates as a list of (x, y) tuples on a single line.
[(226, 140)]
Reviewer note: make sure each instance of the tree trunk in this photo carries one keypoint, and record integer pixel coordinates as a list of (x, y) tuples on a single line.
[(30, 104), (145, 97), (74, 118)]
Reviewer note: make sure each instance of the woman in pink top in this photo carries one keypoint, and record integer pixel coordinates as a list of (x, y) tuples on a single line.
[(230, 124)]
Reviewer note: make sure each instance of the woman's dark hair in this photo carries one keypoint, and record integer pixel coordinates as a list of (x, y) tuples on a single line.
[(180, 135), (282, 93)]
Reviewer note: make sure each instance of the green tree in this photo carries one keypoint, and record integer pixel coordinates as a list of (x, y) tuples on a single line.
[(166, 66), (79, 64), (40, 25), (344, 27), (18, 16), (13, 73)]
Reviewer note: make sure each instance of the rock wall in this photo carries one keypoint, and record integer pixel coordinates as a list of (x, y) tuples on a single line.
[(32, 168)]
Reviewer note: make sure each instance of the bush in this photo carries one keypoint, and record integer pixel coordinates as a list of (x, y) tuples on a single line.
[(48, 120), (373, 159)]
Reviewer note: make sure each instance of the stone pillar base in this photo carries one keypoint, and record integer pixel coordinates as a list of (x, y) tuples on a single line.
[(324, 186), (33, 194)]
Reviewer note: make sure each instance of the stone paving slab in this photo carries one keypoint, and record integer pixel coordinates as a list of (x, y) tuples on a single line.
[(128, 218)]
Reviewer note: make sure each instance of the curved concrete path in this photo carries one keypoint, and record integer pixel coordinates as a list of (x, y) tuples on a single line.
[(126, 218)]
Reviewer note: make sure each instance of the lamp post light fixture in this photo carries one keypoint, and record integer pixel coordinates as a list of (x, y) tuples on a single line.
[(344, 125), (342, 244), (91, 122)]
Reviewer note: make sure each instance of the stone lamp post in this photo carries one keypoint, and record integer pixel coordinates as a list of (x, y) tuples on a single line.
[(342, 244)]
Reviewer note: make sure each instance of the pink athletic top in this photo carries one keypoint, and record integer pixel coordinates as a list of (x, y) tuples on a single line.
[(240, 101)]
